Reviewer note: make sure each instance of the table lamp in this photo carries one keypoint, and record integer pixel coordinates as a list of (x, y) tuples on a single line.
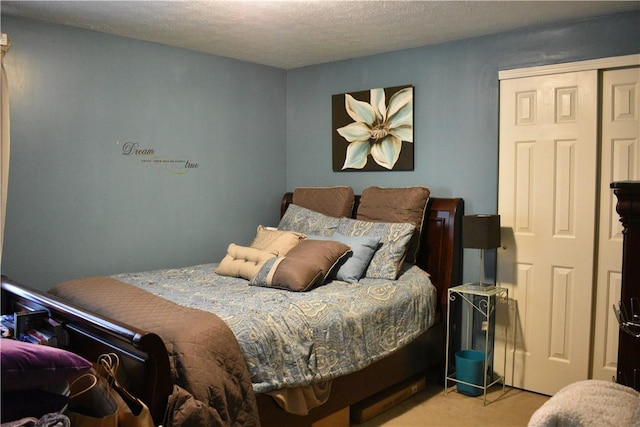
[(481, 232)]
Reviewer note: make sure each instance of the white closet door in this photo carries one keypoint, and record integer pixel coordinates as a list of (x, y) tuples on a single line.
[(620, 162), (547, 202)]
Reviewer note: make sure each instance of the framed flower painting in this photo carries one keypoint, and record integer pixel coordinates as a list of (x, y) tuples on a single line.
[(373, 130)]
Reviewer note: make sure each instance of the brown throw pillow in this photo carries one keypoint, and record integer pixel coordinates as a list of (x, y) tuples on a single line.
[(294, 275), (306, 266), (322, 253)]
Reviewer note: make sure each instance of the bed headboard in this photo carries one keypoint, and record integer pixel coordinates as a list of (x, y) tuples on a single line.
[(440, 252)]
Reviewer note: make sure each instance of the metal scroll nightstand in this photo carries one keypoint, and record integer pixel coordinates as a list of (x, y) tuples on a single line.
[(483, 301)]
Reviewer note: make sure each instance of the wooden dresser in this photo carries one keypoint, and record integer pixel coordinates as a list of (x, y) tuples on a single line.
[(628, 206)]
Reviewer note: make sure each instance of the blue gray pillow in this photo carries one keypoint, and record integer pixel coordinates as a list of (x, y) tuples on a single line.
[(394, 237), (356, 262)]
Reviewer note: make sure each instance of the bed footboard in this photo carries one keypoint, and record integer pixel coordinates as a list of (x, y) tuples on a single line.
[(143, 355)]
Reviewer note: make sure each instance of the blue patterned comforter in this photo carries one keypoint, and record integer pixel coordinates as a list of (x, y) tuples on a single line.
[(294, 339)]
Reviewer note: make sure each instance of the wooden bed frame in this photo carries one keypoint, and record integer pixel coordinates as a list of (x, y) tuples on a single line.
[(146, 363)]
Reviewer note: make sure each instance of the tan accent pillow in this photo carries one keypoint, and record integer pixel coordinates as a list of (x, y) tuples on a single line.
[(333, 201), (406, 205), (306, 266), (241, 261), (276, 241)]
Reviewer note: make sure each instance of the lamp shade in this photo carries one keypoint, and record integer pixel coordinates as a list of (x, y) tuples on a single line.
[(481, 231)]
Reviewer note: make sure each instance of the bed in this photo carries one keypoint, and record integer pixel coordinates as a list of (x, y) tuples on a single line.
[(153, 354)]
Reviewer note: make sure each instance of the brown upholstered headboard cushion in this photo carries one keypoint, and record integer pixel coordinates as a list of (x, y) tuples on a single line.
[(332, 201)]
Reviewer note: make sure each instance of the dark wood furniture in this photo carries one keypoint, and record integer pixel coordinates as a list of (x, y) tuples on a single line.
[(628, 206), (142, 353), (146, 363)]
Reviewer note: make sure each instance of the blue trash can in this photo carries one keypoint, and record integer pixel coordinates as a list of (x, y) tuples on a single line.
[(470, 369)]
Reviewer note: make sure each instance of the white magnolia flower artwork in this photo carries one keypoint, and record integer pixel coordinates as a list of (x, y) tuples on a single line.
[(378, 130)]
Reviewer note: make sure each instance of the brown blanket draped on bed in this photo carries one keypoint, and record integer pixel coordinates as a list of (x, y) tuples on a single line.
[(205, 356)]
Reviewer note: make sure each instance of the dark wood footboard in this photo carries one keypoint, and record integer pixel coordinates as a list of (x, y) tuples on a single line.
[(143, 355)]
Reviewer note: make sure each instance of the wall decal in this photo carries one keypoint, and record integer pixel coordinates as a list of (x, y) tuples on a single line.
[(373, 130), (148, 156)]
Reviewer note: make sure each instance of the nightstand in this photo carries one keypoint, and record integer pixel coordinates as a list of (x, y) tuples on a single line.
[(483, 301)]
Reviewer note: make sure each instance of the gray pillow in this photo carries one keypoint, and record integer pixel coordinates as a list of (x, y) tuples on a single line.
[(394, 237), (355, 263), (306, 221)]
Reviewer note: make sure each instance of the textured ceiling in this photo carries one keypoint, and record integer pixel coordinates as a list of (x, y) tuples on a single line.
[(291, 34)]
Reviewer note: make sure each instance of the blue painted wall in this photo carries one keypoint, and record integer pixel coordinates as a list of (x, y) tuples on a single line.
[(455, 106), (77, 206)]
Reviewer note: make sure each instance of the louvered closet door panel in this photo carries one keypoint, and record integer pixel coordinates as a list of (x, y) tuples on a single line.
[(547, 200), (620, 162)]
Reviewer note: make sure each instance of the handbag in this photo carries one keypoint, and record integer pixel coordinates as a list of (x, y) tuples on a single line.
[(132, 412), (91, 404), (98, 399)]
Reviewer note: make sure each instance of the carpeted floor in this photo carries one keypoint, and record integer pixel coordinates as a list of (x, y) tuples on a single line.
[(431, 407)]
